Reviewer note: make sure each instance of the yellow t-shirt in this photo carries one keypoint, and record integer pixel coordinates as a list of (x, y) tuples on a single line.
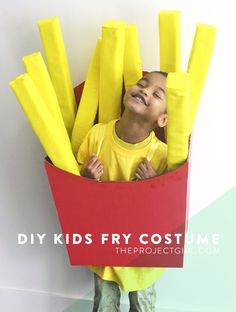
[(120, 161)]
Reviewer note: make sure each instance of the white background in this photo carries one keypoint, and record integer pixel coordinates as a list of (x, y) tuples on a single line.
[(42, 273)]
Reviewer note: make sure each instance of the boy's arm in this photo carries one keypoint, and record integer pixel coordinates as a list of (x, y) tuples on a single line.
[(90, 166), (145, 170), (149, 169)]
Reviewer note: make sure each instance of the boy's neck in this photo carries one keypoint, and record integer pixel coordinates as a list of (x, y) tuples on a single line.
[(131, 130)]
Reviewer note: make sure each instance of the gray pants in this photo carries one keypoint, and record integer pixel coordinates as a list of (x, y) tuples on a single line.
[(107, 297)]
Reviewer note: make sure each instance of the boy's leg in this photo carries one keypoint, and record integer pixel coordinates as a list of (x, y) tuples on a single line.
[(143, 300), (107, 296)]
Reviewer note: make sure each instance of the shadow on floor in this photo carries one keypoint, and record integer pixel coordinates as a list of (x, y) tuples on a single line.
[(85, 305)]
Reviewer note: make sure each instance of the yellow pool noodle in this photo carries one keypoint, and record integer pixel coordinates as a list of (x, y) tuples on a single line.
[(132, 59), (177, 95), (111, 70), (88, 105), (198, 65), (56, 145), (169, 39), (36, 68), (53, 44)]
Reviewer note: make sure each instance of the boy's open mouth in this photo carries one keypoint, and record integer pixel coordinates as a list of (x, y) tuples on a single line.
[(139, 98)]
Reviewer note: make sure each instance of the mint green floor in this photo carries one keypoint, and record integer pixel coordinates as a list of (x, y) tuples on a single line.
[(208, 281)]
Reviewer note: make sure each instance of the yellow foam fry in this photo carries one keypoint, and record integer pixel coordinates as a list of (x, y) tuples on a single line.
[(198, 65), (169, 39), (36, 68), (53, 44), (88, 105), (111, 70), (55, 143), (177, 95), (132, 58)]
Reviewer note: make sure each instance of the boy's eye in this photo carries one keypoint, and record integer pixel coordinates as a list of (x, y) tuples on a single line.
[(157, 95), (140, 84)]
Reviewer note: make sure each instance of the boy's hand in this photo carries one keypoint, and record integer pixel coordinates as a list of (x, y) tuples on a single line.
[(145, 170), (93, 168)]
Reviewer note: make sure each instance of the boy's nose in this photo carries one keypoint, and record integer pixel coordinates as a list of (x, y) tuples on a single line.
[(144, 91)]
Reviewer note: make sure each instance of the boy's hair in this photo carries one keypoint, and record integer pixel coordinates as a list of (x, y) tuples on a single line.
[(160, 131), (159, 72)]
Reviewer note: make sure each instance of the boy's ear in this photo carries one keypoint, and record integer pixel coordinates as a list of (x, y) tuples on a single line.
[(162, 120)]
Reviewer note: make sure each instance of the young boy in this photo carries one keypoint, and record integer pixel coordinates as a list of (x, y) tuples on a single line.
[(124, 150)]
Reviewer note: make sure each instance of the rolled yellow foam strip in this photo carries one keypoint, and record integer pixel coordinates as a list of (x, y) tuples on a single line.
[(169, 38), (55, 143), (177, 94), (132, 58), (198, 65), (36, 68), (58, 67), (111, 70), (88, 105)]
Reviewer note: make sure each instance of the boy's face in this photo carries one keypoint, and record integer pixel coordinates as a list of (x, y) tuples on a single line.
[(147, 99)]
